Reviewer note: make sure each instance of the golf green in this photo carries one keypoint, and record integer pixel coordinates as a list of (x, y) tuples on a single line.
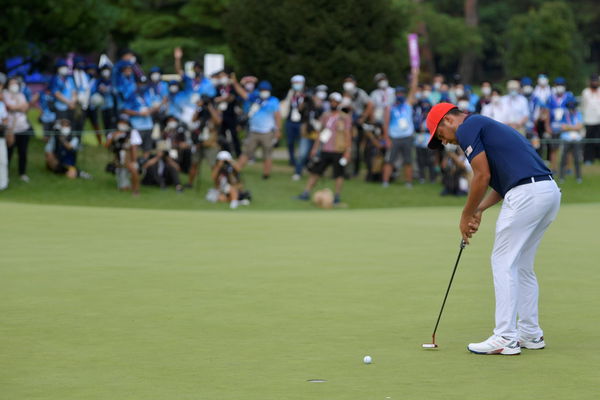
[(103, 303)]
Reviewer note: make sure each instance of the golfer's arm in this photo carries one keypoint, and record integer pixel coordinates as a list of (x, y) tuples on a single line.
[(479, 184), (492, 198)]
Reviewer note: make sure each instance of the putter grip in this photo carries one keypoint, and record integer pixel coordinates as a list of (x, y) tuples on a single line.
[(462, 243)]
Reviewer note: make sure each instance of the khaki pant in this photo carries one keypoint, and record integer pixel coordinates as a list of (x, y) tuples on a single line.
[(264, 140)]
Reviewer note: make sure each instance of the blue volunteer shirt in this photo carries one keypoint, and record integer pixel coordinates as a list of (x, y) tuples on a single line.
[(401, 121), (66, 87), (137, 103), (262, 115), (510, 156), (201, 85)]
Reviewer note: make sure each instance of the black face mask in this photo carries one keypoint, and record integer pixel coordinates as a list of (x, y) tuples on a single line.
[(594, 85)]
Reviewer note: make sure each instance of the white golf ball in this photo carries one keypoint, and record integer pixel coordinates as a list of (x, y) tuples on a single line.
[(367, 360)]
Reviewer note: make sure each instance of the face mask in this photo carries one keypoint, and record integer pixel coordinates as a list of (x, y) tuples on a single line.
[(383, 84), (486, 90), (190, 74), (214, 81), (155, 76), (132, 59), (173, 89), (224, 81), (437, 86), (249, 87), (514, 92), (560, 89), (123, 127), (527, 89), (13, 88), (264, 94), (594, 85), (418, 95), (105, 73), (297, 86), (459, 92), (426, 94), (172, 125), (321, 95), (63, 70), (400, 99), (65, 130), (542, 81), (463, 105), (349, 86), (495, 98)]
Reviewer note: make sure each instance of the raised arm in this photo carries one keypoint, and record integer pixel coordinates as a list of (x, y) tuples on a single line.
[(414, 83)]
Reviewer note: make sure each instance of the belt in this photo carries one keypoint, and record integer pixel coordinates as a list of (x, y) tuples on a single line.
[(532, 179)]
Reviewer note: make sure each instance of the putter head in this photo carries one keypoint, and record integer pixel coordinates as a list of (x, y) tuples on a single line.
[(429, 346)]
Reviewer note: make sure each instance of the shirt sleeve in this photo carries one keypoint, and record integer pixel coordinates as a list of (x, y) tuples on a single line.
[(469, 138)]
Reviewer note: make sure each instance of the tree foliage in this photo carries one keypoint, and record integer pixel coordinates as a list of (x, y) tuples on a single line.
[(323, 39), (543, 40)]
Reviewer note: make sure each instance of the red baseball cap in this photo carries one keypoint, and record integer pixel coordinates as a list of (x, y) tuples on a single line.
[(434, 117)]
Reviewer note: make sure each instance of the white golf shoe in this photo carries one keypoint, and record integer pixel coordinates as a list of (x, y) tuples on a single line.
[(496, 345), (533, 344)]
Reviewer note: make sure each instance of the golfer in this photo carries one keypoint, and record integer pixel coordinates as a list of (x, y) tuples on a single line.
[(503, 159)]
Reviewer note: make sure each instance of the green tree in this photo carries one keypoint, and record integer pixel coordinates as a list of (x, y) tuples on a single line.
[(322, 39), (544, 40), (37, 28)]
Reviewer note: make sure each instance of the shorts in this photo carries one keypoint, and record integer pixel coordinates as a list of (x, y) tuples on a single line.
[(147, 141), (123, 178), (400, 148), (264, 140), (92, 115), (205, 153), (325, 160)]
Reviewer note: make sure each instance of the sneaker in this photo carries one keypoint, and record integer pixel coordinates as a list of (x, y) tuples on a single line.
[(533, 344), (303, 196), (385, 184), (85, 175), (496, 345), (25, 178), (296, 177), (234, 204)]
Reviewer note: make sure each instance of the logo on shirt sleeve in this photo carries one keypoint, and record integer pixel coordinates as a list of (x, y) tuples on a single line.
[(468, 151)]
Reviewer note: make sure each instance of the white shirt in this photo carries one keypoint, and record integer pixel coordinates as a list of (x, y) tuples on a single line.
[(542, 93), (381, 99), (516, 108), (494, 110), (3, 113), (17, 120), (590, 106)]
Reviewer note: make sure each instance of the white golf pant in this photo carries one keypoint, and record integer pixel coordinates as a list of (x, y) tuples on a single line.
[(526, 213), (3, 165)]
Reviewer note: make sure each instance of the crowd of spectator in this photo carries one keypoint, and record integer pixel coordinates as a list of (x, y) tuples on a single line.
[(158, 126)]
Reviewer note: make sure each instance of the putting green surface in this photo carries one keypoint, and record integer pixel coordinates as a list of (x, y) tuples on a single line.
[(101, 303)]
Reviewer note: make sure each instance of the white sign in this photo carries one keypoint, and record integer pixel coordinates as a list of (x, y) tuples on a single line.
[(213, 63)]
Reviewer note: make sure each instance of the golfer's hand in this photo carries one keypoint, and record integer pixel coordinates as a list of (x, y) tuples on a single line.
[(465, 230), (475, 222)]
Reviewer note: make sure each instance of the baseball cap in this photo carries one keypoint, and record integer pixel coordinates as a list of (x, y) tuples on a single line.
[(434, 117), (335, 96), (560, 81), (224, 156), (298, 78), (265, 85)]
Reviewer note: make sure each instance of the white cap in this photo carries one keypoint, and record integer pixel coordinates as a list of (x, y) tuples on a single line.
[(298, 78), (335, 96), (224, 156)]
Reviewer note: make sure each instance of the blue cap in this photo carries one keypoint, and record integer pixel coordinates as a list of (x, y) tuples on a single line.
[(91, 66), (526, 81), (124, 117), (560, 81), (265, 85), (173, 82), (61, 62), (155, 69), (79, 61), (126, 64), (401, 89)]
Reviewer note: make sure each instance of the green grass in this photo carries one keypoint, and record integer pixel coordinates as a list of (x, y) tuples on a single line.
[(274, 194), (107, 303)]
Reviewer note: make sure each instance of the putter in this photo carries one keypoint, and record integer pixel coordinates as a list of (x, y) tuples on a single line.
[(433, 345)]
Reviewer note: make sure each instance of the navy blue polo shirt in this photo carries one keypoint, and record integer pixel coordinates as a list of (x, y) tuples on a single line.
[(510, 156)]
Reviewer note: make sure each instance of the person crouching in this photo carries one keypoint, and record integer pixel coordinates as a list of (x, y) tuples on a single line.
[(61, 152), (124, 143), (227, 183)]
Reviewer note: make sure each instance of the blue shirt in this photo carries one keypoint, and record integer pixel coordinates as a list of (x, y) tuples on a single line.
[(510, 156), (401, 121), (108, 93), (47, 116), (138, 103), (177, 103), (66, 87), (262, 115), (558, 108), (202, 86), (571, 118)]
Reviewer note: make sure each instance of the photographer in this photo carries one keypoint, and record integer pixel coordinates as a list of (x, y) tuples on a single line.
[(61, 152), (227, 184), (205, 137), (124, 143), (162, 169)]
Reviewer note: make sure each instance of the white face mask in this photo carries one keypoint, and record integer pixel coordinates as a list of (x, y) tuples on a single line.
[(426, 94), (224, 81), (349, 86), (155, 76), (459, 92), (513, 92), (495, 98), (321, 95), (560, 89), (123, 127), (437, 85), (63, 70), (527, 89), (172, 125), (486, 90), (542, 81), (383, 84), (264, 94), (463, 105), (105, 73), (13, 88), (249, 87), (65, 130), (214, 81), (173, 89), (297, 86)]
